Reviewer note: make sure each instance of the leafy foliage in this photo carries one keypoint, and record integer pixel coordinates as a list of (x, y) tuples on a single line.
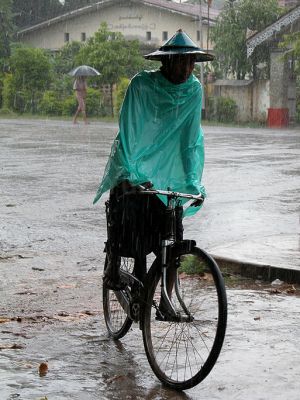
[(8, 92), (69, 105), (298, 112), (192, 265), (121, 90), (6, 29), (226, 109), (64, 59), (31, 70), (291, 43), (230, 34), (93, 104), (31, 12), (112, 55), (222, 109), (50, 104)]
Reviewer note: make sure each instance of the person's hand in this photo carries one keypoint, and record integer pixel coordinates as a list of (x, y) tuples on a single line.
[(127, 186), (146, 185), (197, 202)]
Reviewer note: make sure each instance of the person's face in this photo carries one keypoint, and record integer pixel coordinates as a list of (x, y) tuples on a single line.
[(178, 68)]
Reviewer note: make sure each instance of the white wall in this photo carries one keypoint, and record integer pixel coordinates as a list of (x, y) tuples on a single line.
[(132, 21), (252, 98)]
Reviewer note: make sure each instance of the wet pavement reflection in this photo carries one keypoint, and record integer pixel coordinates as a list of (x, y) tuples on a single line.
[(51, 260)]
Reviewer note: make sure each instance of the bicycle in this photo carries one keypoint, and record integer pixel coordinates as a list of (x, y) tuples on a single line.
[(182, 339)]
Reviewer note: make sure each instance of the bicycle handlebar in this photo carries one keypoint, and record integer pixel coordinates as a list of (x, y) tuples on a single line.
[(171, 194)]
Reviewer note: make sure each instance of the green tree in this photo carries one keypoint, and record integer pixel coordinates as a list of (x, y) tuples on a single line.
[(112, 55), (62, 63), (31, 75), (31, 12), (64, 59), (230, 33), (291, 43), (121, 90), (6, 29)]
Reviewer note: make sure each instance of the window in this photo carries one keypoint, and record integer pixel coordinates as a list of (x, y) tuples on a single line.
[(67, 37), (198, 36), (83, 36), (165, 35), (148, 36)]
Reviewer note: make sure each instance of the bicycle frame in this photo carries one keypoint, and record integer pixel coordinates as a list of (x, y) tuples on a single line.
[(183, 321), (169, 246)]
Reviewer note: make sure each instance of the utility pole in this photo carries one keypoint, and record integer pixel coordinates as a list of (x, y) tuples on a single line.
[(201, 46), (207, 35)]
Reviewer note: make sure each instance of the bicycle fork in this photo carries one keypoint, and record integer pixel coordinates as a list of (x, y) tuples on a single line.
[(172, 313), (130, 299)]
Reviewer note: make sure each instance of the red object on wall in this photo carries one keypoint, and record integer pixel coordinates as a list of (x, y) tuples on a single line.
[(278, 117)]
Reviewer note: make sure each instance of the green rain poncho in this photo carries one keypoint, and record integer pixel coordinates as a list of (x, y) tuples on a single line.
[(160, 138)]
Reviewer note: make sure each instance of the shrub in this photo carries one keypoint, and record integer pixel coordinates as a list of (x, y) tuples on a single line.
[(93, 102), (121, 90), (8, 92), (226, 109), (222, 109), (69, 105), (50, 104), (298, 112), (6, 112), (192, 265), (1, 88)]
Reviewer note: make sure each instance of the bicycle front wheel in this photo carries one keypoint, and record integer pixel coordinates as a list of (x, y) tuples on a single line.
[(181, 354), (116, 319)]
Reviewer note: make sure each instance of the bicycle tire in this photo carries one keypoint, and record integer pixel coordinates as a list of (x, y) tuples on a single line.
[(182, 354), (116, 319)]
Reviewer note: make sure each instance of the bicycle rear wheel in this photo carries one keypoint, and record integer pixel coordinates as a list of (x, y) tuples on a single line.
[(116, 319), (181, 354)]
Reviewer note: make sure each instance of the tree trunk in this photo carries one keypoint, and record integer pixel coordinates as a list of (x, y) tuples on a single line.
[(111, 100)]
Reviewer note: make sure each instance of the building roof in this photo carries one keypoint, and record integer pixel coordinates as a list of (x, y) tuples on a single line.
[(276, 27), (191, 10)]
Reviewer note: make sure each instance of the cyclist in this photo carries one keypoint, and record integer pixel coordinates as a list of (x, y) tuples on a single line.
[(160, 141)]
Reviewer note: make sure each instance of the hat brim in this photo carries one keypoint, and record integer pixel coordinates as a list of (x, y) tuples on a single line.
[(200, 55)]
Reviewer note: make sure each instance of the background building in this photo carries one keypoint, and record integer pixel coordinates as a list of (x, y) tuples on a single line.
[(150, 21)]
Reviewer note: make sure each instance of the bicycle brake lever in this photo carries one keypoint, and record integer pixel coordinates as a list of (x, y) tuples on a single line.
[(197, 203)]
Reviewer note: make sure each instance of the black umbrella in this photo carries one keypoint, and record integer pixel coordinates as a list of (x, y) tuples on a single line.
[(84, 70)]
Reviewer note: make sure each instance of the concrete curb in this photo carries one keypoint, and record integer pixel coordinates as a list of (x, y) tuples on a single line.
[(256, 270)]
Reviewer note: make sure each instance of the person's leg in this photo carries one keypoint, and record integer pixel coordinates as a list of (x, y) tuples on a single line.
[(84, 117), (140, 267), (76, 115), (172, 269), (84, 112), (171, 273)]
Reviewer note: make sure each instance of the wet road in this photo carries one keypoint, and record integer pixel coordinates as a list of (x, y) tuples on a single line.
[(51, 263)]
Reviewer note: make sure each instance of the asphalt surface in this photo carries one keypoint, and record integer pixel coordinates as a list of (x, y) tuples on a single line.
[(51, 262)]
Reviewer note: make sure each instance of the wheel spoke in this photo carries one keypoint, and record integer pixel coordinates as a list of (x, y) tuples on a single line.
[(181, 354), (116, 319)]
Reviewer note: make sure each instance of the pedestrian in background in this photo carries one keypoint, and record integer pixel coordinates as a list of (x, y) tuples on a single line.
[(80, 86)]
